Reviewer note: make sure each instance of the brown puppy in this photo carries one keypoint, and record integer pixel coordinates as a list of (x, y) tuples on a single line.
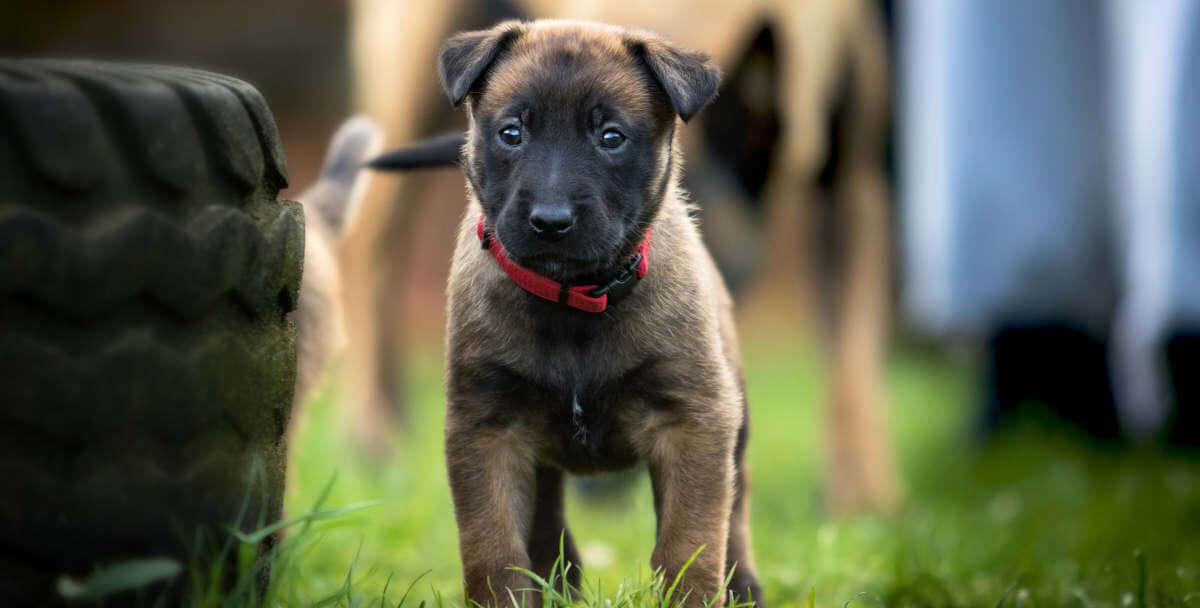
[(827, 176), (573, 181)]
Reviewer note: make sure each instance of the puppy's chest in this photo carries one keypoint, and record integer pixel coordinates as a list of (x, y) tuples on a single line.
[(583, 413), (583, 387), (586, 428)]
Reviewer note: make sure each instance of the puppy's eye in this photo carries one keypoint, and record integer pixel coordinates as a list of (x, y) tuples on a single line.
[(510, 136), (612, 139)]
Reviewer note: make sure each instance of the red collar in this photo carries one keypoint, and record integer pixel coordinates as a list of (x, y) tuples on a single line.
[(588, 298)]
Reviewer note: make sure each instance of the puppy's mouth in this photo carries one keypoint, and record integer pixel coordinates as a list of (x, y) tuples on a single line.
[(561, 266), (576, 259)]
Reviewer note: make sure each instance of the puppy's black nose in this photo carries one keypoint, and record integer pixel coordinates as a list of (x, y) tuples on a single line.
[(551, 222)]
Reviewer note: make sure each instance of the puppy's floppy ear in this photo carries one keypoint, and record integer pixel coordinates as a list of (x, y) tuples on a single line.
[(689, 78), (466, 56)]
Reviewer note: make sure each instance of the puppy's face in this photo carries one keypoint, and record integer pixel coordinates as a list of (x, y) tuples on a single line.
[(571, 129)]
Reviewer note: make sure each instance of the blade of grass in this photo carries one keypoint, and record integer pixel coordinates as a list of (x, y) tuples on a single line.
[(123, 576), (404, 597), (307, 519), (679, 576)]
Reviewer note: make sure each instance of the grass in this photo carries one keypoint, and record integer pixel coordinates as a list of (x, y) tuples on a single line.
[(1034, 518)]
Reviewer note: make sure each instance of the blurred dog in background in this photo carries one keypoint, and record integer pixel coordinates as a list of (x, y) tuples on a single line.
[(330, 208), (802, 121)]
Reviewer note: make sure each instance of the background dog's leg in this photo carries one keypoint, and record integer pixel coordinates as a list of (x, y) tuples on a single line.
[(492, 481), (863, 473), (833, 144), (394, 48), (692, 474), (744, 583), (549, 525)]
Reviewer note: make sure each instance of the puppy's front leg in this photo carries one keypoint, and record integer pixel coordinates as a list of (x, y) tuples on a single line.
[(691, 468), (492, 482)]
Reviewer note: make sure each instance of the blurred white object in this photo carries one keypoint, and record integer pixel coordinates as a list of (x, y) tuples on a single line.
[(1148, 44), (1041, 144)]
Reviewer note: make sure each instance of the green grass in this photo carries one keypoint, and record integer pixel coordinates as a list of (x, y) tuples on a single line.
[(1033, 519)]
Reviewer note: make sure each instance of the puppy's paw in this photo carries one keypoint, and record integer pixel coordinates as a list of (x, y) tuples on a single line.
[(743, 588)]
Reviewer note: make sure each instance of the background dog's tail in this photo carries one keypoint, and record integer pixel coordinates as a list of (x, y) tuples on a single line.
[(438, 151), (340, 188)]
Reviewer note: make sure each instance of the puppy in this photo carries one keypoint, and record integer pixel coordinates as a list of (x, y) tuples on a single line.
[(587, 327)]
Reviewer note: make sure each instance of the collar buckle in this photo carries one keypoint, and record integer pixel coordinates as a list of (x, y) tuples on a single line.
[(627, 272)]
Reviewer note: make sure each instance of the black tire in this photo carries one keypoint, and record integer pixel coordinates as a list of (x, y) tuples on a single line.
[(147, 270)]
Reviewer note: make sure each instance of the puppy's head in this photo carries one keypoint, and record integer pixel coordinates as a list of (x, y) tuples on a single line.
[(571, 129)]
